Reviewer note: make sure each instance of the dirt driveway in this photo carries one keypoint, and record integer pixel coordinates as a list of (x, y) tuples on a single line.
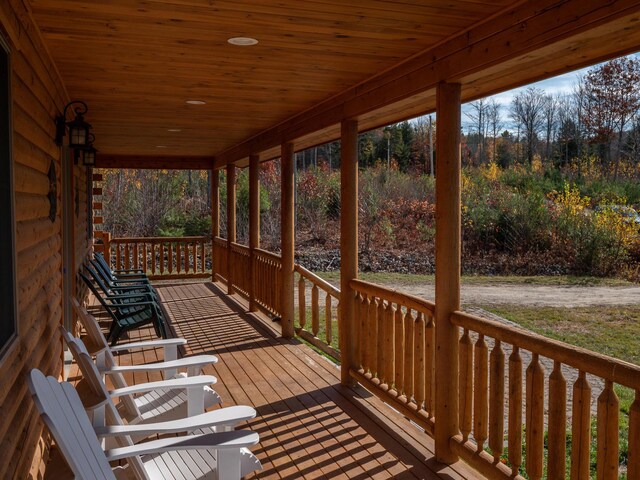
[(535, 295)]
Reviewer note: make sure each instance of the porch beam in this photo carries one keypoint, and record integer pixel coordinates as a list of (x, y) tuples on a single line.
[(231, 221), (569, 34), (448, 240), (287, 246), (254, 224), (153, 162), (214, 176), (348, 246)]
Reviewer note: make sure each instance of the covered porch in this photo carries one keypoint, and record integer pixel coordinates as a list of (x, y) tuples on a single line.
[(422, 385), (310, 425)]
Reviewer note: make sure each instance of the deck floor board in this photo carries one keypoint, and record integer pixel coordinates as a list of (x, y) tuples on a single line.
[(310, 426)]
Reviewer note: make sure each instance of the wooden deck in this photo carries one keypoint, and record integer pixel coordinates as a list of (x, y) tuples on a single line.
[(310, 426)]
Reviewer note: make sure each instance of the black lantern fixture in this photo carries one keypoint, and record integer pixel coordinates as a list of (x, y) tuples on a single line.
[(89, 153), (78, 127)]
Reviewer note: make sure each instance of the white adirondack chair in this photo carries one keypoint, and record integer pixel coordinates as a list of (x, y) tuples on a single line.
[(220, 455), (154, 405)]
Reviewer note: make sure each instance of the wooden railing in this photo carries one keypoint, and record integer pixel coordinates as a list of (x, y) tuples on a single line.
[(220, 257), (267, 277), (483, 393), (163, 257), (395, 349), (240, 265), (325, 338)]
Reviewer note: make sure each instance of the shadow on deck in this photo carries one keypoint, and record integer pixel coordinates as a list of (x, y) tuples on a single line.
[(310, 426)]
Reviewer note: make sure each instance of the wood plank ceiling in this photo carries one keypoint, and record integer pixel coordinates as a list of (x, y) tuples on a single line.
[(136, 62)]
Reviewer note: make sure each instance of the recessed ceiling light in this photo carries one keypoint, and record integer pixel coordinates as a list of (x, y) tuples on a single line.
[(174, 130), (242, 41), (161, 146), (196, 102)]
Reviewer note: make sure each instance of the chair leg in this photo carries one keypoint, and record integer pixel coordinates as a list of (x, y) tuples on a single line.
[(115, 336)]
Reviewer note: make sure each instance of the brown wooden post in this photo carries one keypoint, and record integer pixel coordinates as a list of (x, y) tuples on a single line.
[(214, 178), (231, 220), (287, 238), (254, 224), (348, 246), (447, 267)]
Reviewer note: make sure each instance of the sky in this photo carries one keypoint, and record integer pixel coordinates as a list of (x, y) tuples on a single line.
[(562, 84)]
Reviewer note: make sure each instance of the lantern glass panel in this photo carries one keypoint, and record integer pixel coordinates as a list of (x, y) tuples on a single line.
[(77, 136)]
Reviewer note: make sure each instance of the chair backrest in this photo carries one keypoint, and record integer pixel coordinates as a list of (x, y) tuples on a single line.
[(101, 267), (106, 268), (89, 370), (94, 381), (63, 413), (98, 279), (98, 295)]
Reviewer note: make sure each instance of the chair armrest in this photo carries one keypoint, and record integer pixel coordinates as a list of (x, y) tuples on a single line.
[(168, 342), (132, 304), (195, 361), (180, 383), (236, 439), (229, 416), (131, 271)]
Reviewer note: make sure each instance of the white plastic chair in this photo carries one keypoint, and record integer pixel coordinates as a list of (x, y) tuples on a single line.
[(220, 455), (154, 403)]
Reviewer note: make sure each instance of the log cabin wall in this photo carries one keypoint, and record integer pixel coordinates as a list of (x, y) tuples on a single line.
[(37, 97)]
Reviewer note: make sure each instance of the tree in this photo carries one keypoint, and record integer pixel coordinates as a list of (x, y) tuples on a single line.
[(550, 112), (527, 111), (611, 98), (494, 119), (478, 113)]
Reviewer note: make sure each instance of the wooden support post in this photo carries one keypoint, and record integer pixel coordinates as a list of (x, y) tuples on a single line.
[(254, 224), (447, 267), (215, 218), (231, 220), (348, 245), (287, 238)]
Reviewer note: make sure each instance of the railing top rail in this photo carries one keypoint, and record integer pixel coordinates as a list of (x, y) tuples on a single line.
[(407, 300), (320, 282), (264, 253), (239, 246), (159, 239), (220, 240), (597, 364)]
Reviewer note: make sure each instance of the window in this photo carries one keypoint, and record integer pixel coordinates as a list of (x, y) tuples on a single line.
[(7, 250)]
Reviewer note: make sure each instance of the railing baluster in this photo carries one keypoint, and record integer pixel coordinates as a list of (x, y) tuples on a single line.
[(315, 311), (480, 392), (161, 253), (515, 410), (608, 424), (357, 331), (429, 363), (327, 319), (135, 256), (178, 257), (418, 366), (496, 401), (302, 302), (389, 344), (380, 367), (399, 350), (408, 355), (535, 418), (557, 449), (465, 384), (194, 253), (581, 428), (633, 466), (170, 257), (127, 261), (186, 262), (366, 334), (372, 328), (118, 261), (153, 258), (144, 257)]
